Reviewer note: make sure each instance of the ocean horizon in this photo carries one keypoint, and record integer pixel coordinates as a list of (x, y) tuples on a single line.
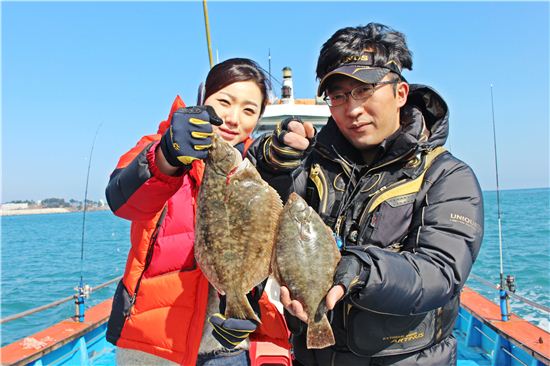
[(41, 258)]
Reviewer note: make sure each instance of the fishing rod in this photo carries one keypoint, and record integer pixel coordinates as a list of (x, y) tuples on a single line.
[(83, 291), (207, 26), (507, 282)]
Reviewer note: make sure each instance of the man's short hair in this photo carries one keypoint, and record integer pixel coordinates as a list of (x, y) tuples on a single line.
[(365, 52)]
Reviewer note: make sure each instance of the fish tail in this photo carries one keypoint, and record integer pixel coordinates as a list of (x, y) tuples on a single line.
[(238, 307), (319, 334), (321, 310)]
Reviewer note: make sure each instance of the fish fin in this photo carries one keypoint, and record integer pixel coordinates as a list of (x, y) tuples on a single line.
[(238, 307), (319, 334), (275, 212), (321, 310), (276, 206)]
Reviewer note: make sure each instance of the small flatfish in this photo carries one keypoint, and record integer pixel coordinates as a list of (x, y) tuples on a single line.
[(236, 221), (304, 260)]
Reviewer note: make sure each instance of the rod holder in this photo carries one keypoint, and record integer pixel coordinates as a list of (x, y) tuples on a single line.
[(82, 292), (503, 304)]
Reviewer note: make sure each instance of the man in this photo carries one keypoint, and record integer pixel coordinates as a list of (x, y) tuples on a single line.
[(409, 215)]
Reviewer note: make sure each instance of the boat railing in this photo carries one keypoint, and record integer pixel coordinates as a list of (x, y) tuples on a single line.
[(56, 303), (116, 279), (493, 341), (513, 295)]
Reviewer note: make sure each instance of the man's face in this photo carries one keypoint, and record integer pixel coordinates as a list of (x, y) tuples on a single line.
[(366, 123)]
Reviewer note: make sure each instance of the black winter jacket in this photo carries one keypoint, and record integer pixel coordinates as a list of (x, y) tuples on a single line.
[(415, 224)]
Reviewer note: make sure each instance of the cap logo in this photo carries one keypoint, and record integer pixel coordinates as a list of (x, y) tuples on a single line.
[(355, 58)]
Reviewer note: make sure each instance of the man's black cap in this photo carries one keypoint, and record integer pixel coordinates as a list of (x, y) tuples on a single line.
[(360, 68)]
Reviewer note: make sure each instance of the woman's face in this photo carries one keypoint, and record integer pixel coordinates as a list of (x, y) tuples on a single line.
[(238, 105)]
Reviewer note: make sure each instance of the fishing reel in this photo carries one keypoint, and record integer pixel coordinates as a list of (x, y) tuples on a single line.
[(511, 283), (82, 292)]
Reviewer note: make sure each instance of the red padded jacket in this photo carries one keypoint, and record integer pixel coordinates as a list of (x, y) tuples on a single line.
[(160, 305)]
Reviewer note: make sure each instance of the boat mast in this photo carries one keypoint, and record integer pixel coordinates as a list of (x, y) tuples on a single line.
[(508, 282), (207, 26)]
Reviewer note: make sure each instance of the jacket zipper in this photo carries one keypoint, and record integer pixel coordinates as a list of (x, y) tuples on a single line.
[(427, 164), (320, 181), (148, 257), (376, 195), (356, 305), (378, 192)]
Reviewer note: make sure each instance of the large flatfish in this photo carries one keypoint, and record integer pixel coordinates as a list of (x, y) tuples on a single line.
[(236, 221), (304, 260)]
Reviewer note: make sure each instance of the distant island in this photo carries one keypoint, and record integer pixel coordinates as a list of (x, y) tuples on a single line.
[(49, 205)]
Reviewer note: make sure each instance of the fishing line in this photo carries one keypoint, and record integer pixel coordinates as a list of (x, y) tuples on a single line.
[(271, 77), (85, 203)]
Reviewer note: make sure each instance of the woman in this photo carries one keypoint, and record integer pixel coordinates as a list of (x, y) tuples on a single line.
[(162, 305)]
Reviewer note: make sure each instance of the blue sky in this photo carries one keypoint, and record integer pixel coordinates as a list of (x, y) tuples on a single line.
[(69, 66)]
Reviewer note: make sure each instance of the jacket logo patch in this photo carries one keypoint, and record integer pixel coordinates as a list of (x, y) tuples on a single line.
[(401, 200), (464, 220)]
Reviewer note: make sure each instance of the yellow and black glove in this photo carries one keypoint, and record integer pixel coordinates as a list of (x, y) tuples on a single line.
[(277, 153), (230, 332), (351, 273), (189, 135)]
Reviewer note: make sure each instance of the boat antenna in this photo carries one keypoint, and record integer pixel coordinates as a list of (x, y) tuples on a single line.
[(508, 282), (269, 63), (83, 291), (207, 26)]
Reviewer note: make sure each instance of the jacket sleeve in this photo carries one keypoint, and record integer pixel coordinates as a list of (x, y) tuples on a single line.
[(137, 189), (443, 242), (284, 182)]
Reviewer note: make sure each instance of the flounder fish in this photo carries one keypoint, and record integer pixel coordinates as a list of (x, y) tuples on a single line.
[(304, 260), (236, 222)]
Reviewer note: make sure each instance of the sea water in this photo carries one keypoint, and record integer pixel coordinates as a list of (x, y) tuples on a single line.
[(41, 258)]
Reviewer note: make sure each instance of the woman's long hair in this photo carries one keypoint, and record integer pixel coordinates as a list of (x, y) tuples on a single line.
[(234, 70)]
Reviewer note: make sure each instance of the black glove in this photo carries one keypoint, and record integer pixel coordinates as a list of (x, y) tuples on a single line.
[(350, 273), (230, 332), (189, 135), (279, 155)]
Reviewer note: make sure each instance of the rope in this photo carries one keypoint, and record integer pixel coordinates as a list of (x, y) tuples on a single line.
[(513, 295), (53, 304)]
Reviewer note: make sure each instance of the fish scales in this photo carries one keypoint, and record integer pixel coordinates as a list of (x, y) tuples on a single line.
[(305, 259), (237, 216)]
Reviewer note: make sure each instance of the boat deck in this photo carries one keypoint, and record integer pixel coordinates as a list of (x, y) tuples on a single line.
[(483, 339)]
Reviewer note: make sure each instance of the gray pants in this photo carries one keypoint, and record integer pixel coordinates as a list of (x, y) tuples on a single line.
[(130, 357)]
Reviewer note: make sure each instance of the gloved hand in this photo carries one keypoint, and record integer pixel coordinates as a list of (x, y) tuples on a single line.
[(278, 153), (189, 135), (350, 273), (230, 332)]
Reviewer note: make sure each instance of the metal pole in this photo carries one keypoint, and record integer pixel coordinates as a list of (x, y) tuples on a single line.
[(207, 26)]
